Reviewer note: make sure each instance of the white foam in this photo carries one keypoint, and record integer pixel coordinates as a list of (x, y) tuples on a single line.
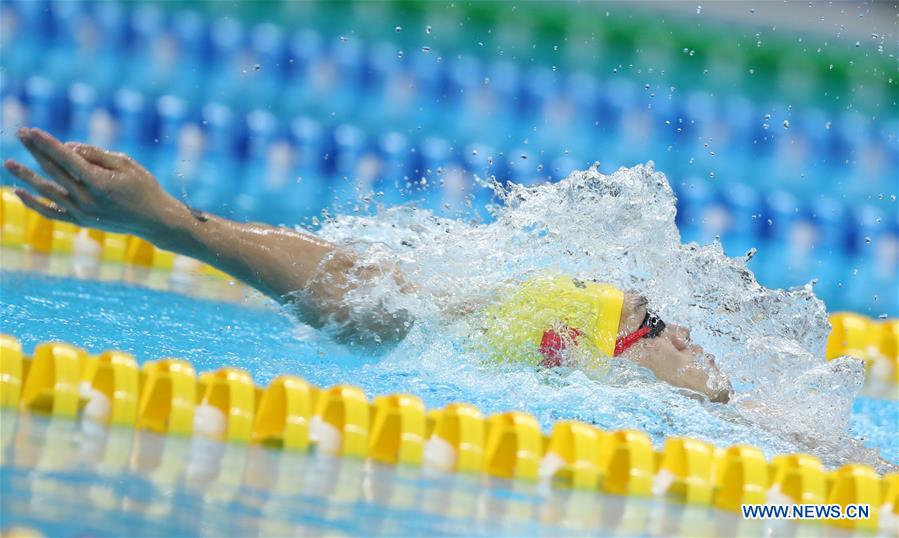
[(617, 228)]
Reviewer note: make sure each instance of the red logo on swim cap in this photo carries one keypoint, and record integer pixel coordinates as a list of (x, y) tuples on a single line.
[(554, 342)]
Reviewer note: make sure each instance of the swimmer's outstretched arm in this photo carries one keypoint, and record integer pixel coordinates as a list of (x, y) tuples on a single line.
[(92, 187)]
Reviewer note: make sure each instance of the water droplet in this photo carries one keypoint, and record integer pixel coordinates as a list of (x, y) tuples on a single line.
[(428, 29), (426, 49), (765, 126), (786, 124), (699, 10), (882, 316), (257, 67), (867, 240), (827, 125), (474, 152), (646, 86), (399, 54), (398, 29)]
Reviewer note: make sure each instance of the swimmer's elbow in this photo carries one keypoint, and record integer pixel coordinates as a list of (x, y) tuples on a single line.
[(721, 396)]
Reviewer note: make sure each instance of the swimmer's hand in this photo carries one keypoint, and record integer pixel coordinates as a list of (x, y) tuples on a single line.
[(88, 186), (91, 187)]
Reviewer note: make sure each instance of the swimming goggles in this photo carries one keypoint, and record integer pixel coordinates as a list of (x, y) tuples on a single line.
[(651, 327), (554, 343)]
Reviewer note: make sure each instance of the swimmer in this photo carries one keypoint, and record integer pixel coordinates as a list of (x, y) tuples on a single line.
[(95, 188)]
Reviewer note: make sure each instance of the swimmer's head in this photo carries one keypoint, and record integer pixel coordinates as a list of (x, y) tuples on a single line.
[(549, 316), (559, 321)]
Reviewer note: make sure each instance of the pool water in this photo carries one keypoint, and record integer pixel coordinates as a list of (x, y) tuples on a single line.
[(66, 478), (254, 334)]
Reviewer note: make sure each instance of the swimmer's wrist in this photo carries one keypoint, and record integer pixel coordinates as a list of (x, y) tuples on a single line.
[(172, 228)]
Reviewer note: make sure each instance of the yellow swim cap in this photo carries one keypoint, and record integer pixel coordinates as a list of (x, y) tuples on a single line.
[(516, 327)]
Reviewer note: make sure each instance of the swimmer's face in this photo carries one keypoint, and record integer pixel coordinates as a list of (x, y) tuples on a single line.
[(672, 356)]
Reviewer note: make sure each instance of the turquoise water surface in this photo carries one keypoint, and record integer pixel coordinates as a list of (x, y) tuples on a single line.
[(266, 341), (74, 478), (69, 479)]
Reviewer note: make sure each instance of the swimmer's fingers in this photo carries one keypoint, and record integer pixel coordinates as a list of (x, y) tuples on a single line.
[(63, 165), (109, 160), (46, 188), (48, 210)]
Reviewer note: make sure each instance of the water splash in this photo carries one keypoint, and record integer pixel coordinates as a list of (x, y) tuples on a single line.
[(616, 228)]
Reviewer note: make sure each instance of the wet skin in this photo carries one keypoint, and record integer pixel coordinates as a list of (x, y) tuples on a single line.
[(95, 188), (672, 356)]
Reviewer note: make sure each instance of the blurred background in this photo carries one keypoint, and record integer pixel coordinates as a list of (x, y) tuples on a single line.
[(776, 123)]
